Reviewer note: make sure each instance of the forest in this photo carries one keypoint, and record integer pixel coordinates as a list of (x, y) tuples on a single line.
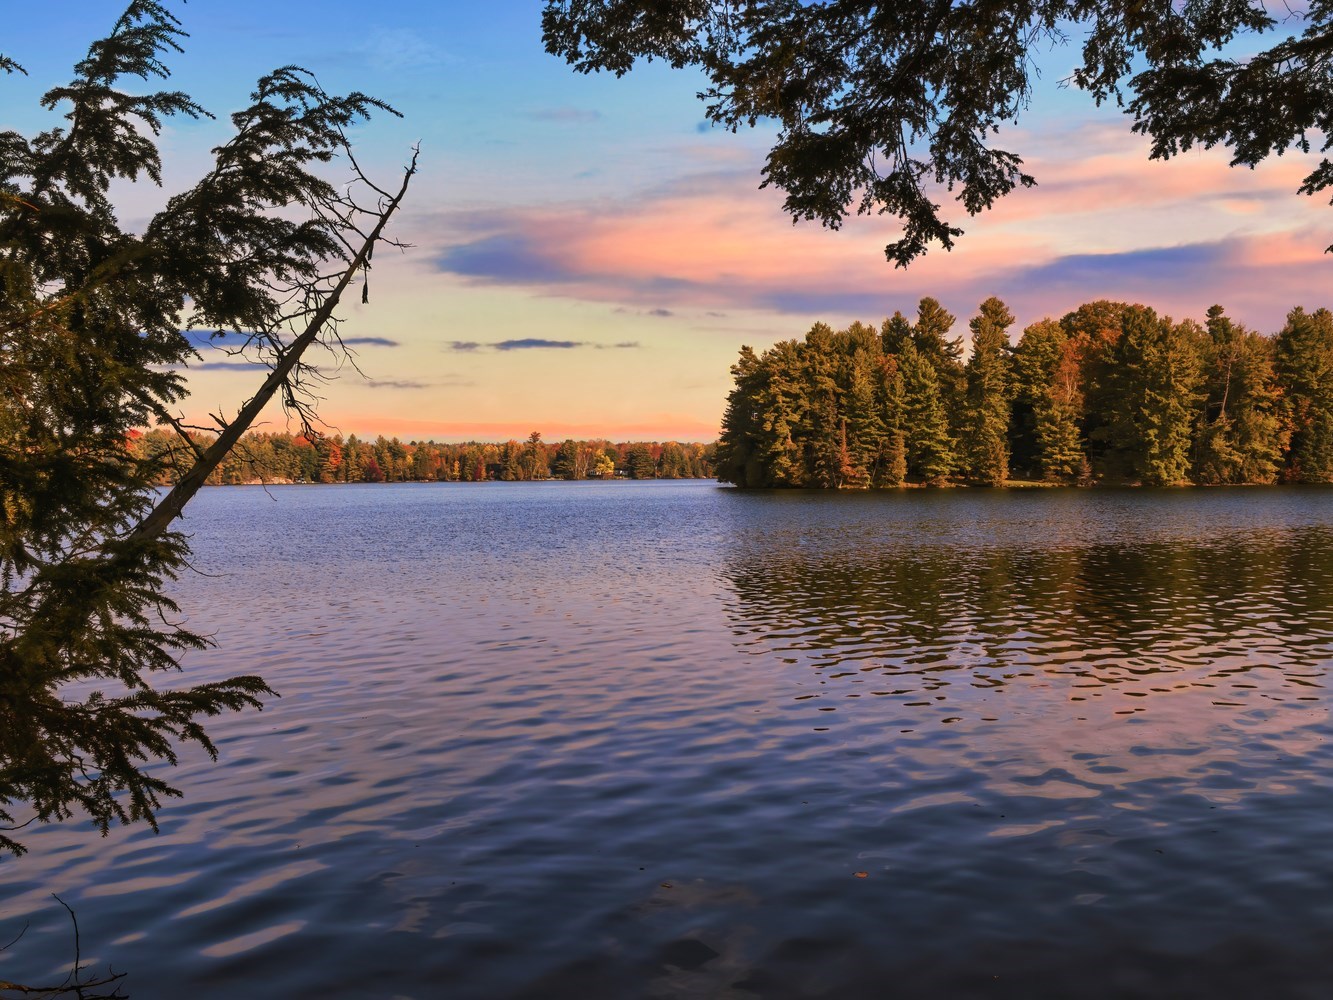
[(287, 458), (1111, 393)]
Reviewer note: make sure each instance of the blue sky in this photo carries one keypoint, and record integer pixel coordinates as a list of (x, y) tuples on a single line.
[(607, 253)]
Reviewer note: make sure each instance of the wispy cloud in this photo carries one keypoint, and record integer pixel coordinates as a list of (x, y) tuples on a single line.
[(225, 366), (536, 343), (396, 383), (564, 115), (397, 49), (443, 382), (370, 342), (531, 344)]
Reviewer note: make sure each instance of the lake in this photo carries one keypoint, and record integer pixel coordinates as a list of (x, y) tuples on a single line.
[(667, 739)]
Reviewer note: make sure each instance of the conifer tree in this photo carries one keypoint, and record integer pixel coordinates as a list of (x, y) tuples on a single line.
[(988, 394), (736, 459), (822, 435), (566, 462), (1049, 403), (895, 333), (782, 410), (892, 464), (930, 447), (1241, 437), (1059, 443), (1305, 365), (91, 348), (1035, 359), (930, 337), (1156, 391), (865, 419)]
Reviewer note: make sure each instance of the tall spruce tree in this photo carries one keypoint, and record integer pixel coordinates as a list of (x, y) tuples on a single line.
[(895, 333), (737, 461), (1241, 438), (891, 467), (865, 418), (1035, 362), (931, 455), (1305, 364), (1155, 386), (91, 347), (782, 412), (930, 337), (824, 434), (986, 445)]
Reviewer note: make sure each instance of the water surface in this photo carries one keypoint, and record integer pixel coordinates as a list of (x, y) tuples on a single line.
[(667, 739)]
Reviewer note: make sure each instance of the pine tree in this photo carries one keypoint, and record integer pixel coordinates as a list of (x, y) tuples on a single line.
[(931, 455), (91, 348), (894, 334), (892, 464), (1059, 443), (1305, 367), (1035, 359), (1156, 391), (1048, 404), (1241, 437), (930, 337), (822, 435), (989, 388), (865, 419), (781, 409), (736, 444)]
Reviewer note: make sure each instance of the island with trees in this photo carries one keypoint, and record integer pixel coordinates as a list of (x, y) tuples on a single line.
[(1111, 393)]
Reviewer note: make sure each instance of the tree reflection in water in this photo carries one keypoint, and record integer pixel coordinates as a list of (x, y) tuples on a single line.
[(1108, 659)]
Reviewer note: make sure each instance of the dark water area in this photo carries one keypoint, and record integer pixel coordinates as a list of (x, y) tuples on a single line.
[(672, 740)]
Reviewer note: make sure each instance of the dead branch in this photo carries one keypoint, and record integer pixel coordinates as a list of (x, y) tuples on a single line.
[(284, 376)]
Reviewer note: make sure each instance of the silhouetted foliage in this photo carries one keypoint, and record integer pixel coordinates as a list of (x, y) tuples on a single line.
[(91, 347), (884, 107)]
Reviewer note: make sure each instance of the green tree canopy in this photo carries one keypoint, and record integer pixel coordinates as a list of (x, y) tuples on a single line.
[(1112, 393), (882, 107)]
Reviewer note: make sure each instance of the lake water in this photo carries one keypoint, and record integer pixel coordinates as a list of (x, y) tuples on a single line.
[(673, 740)]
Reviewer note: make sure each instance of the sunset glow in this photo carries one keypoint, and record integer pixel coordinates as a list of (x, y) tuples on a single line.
[(620, 249)]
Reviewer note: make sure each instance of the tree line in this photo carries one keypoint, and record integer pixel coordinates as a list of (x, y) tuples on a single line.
[(279, 458), (1110, 393)]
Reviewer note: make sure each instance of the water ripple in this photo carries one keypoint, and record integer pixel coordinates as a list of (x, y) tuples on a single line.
[(666, 740)]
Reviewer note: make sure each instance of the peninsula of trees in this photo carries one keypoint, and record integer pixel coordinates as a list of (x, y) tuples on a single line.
[(1111, 393), (287, 458)]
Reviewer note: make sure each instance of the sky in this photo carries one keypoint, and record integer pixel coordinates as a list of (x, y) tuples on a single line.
[(588, 255)]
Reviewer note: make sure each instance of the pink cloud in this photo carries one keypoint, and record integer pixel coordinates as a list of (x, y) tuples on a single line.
[(1103, 222)]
